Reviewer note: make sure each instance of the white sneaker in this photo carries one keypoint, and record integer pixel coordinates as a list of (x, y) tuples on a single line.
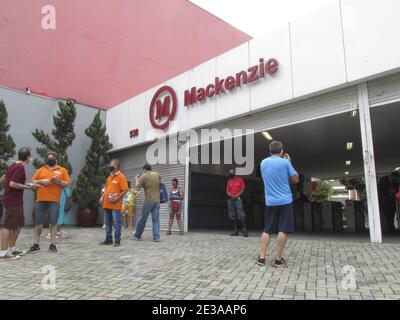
[(61, 235), (48, 236), (9, 256), (104, 226)]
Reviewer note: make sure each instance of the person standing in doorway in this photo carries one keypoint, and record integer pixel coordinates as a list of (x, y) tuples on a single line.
[(114, 192), (176, 197), (52, 178), (277, 172), (150, 182), (234, 189), (387, 188), (14, 183)]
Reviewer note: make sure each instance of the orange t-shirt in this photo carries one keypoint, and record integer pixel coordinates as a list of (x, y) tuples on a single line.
[(116, 183), (52, 192)]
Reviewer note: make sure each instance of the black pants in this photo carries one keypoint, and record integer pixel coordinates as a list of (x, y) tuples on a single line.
[(389, 213)]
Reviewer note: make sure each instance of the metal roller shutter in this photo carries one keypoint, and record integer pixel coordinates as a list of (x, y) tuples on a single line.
[(132, 161), (384, 90)]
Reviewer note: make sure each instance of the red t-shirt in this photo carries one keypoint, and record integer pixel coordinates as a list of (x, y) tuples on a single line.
[(14, 197), (235, 186)]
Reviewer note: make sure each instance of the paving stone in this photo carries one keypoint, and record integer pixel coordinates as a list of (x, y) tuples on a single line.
[(202, 265)]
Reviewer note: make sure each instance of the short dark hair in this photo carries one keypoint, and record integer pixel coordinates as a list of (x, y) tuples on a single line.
[(275, 147), (129, 184), (116, 161), (147, 167), (52, 153), (175, 180), (24, 153)]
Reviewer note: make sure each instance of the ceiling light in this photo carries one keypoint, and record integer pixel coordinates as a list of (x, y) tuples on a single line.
[(397, 169), (349, 145), (353, 113), (332, 180), (267, 135), (348, 162), (347, 173)]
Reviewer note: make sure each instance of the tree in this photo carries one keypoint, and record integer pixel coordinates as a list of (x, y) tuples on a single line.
[(93, 175), (323, 192), (354, 183), (7, 145), (63, 135)]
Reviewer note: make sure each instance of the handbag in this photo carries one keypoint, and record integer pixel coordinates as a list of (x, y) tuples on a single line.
[(68, 202), (175, 207)]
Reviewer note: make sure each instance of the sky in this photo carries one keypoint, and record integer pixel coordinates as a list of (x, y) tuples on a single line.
[(257, 17)]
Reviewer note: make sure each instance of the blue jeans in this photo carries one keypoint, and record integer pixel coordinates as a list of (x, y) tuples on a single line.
[(154, 208), (236, 211), (109, 216)]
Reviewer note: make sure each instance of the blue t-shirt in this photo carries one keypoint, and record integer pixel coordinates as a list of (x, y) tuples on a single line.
[(276, 173)]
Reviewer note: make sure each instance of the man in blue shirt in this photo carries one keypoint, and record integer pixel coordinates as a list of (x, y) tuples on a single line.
[(277, 173)]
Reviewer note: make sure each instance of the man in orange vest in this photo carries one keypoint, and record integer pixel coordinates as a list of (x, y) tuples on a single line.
[(52, 178), (111, 200)]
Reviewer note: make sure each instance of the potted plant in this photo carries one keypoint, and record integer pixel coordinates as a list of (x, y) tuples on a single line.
[(357, 184), (93, 175), (323, 192)]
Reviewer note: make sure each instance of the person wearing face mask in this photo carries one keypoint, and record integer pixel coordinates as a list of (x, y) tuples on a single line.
[(52, 178), (111, 200), (234, 189), (14, 183)]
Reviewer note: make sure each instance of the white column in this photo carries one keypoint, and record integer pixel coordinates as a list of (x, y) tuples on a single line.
[(187, 177), (369, 164)]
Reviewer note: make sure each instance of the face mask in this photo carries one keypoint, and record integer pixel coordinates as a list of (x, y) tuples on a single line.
[(51, 162), (231, 175)]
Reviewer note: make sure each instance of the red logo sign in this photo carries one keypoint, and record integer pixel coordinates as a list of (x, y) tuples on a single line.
[(134, 133), (161, 110)]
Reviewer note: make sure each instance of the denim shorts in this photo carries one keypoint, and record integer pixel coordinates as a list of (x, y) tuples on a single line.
[(49, 208), (279, 219)]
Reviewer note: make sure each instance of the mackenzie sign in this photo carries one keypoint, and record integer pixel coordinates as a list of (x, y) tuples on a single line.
[(252, 74), (163, 106)]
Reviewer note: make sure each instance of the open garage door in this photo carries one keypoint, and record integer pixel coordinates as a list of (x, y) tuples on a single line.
[(324, 140)]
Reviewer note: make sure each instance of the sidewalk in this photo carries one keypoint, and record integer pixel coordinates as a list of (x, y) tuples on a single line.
[(203, 265)]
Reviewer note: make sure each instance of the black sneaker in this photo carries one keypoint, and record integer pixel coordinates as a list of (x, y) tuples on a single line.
[(34, 248), (280, 263), (245, 234), (181, 233), (235, 233), (117, 244), (106, 243), (169, 233), (53, 248), (260, 261)]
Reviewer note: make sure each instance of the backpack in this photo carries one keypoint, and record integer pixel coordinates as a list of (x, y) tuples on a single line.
[(163, 193)]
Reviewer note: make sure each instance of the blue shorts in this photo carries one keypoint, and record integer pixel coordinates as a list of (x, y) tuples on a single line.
[(49, 208), (279, 219)]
